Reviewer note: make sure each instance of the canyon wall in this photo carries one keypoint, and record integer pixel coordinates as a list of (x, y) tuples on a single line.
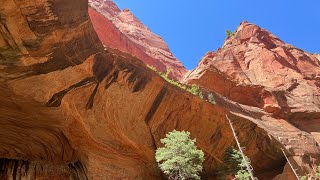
[(123, 31), (72, 108), (256, 68)]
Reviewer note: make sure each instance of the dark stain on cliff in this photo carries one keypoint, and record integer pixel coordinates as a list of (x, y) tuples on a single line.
[(106, 66), (156, 104), (78, 171), (56, 99), (66, 55), (20, 169), (91, 99)]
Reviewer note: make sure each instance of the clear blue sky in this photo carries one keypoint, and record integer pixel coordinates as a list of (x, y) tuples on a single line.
[(193, 27)]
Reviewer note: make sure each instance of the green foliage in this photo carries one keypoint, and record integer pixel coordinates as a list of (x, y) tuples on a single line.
[(303, 178), (180, 158), (211, 98), (234, 165), (153, 68), (167, 73), (194, 89), (243, 175), (229, 33), (317, 174)]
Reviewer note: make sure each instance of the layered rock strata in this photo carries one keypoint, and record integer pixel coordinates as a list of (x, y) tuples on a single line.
[(123, 31), (73, 109)]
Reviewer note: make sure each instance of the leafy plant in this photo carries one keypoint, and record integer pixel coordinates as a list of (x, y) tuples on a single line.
[(194, 89), (317, 174), (234, 165), (314, 175), (243, 175), (167, 73), (211, 98), (229, 33), (180, 158)]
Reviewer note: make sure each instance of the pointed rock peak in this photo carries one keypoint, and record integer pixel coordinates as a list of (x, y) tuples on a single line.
[(247, 30), (126, 10), (127, 17), (209, 54), (105, 7), (317, 56), (250, 33)]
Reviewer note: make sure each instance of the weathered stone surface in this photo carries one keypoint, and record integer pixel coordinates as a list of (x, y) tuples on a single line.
[(107, 8), (113, 38), (132, 36), (256, 68), (72, 109), (262, 67)]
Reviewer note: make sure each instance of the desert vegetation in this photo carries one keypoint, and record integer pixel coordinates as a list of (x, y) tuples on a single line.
[(180, 159), (193, 89), (229, 33), (234, 165)]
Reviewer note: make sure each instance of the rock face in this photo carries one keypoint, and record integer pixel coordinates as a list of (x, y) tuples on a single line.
[(123, 31), (256, 68), (317, 56), (73, 109)]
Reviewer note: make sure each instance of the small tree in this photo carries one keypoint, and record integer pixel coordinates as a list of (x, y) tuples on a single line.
[(229, 33), (180, 159), (234, 165), (313, 175)]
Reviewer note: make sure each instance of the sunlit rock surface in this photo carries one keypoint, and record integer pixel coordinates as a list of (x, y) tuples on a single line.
[(74, 109), (123, 31)]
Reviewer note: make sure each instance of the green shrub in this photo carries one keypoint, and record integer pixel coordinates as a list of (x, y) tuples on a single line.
[(211, 98), (234, 165), (194, 89), (317, 174), (243, 175), (314, 175), (167, 73), (180, 158), (229, 33)]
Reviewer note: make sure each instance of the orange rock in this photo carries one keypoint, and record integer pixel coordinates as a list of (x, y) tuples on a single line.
[(256, 68), (73, 109), (123, 31)]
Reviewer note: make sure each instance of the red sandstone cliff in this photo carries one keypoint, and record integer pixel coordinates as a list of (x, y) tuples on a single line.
[(73, 109), (123, 31), (256, 68)]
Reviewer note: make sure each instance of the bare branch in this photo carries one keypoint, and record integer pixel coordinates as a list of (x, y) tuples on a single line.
[(249, 168)]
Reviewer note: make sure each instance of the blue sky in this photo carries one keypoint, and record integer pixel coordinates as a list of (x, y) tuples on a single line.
[(193, 27)]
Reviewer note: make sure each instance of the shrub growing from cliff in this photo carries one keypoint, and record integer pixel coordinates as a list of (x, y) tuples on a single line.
[(229, 33), (165, 77), (179, 158), (193, 89)]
